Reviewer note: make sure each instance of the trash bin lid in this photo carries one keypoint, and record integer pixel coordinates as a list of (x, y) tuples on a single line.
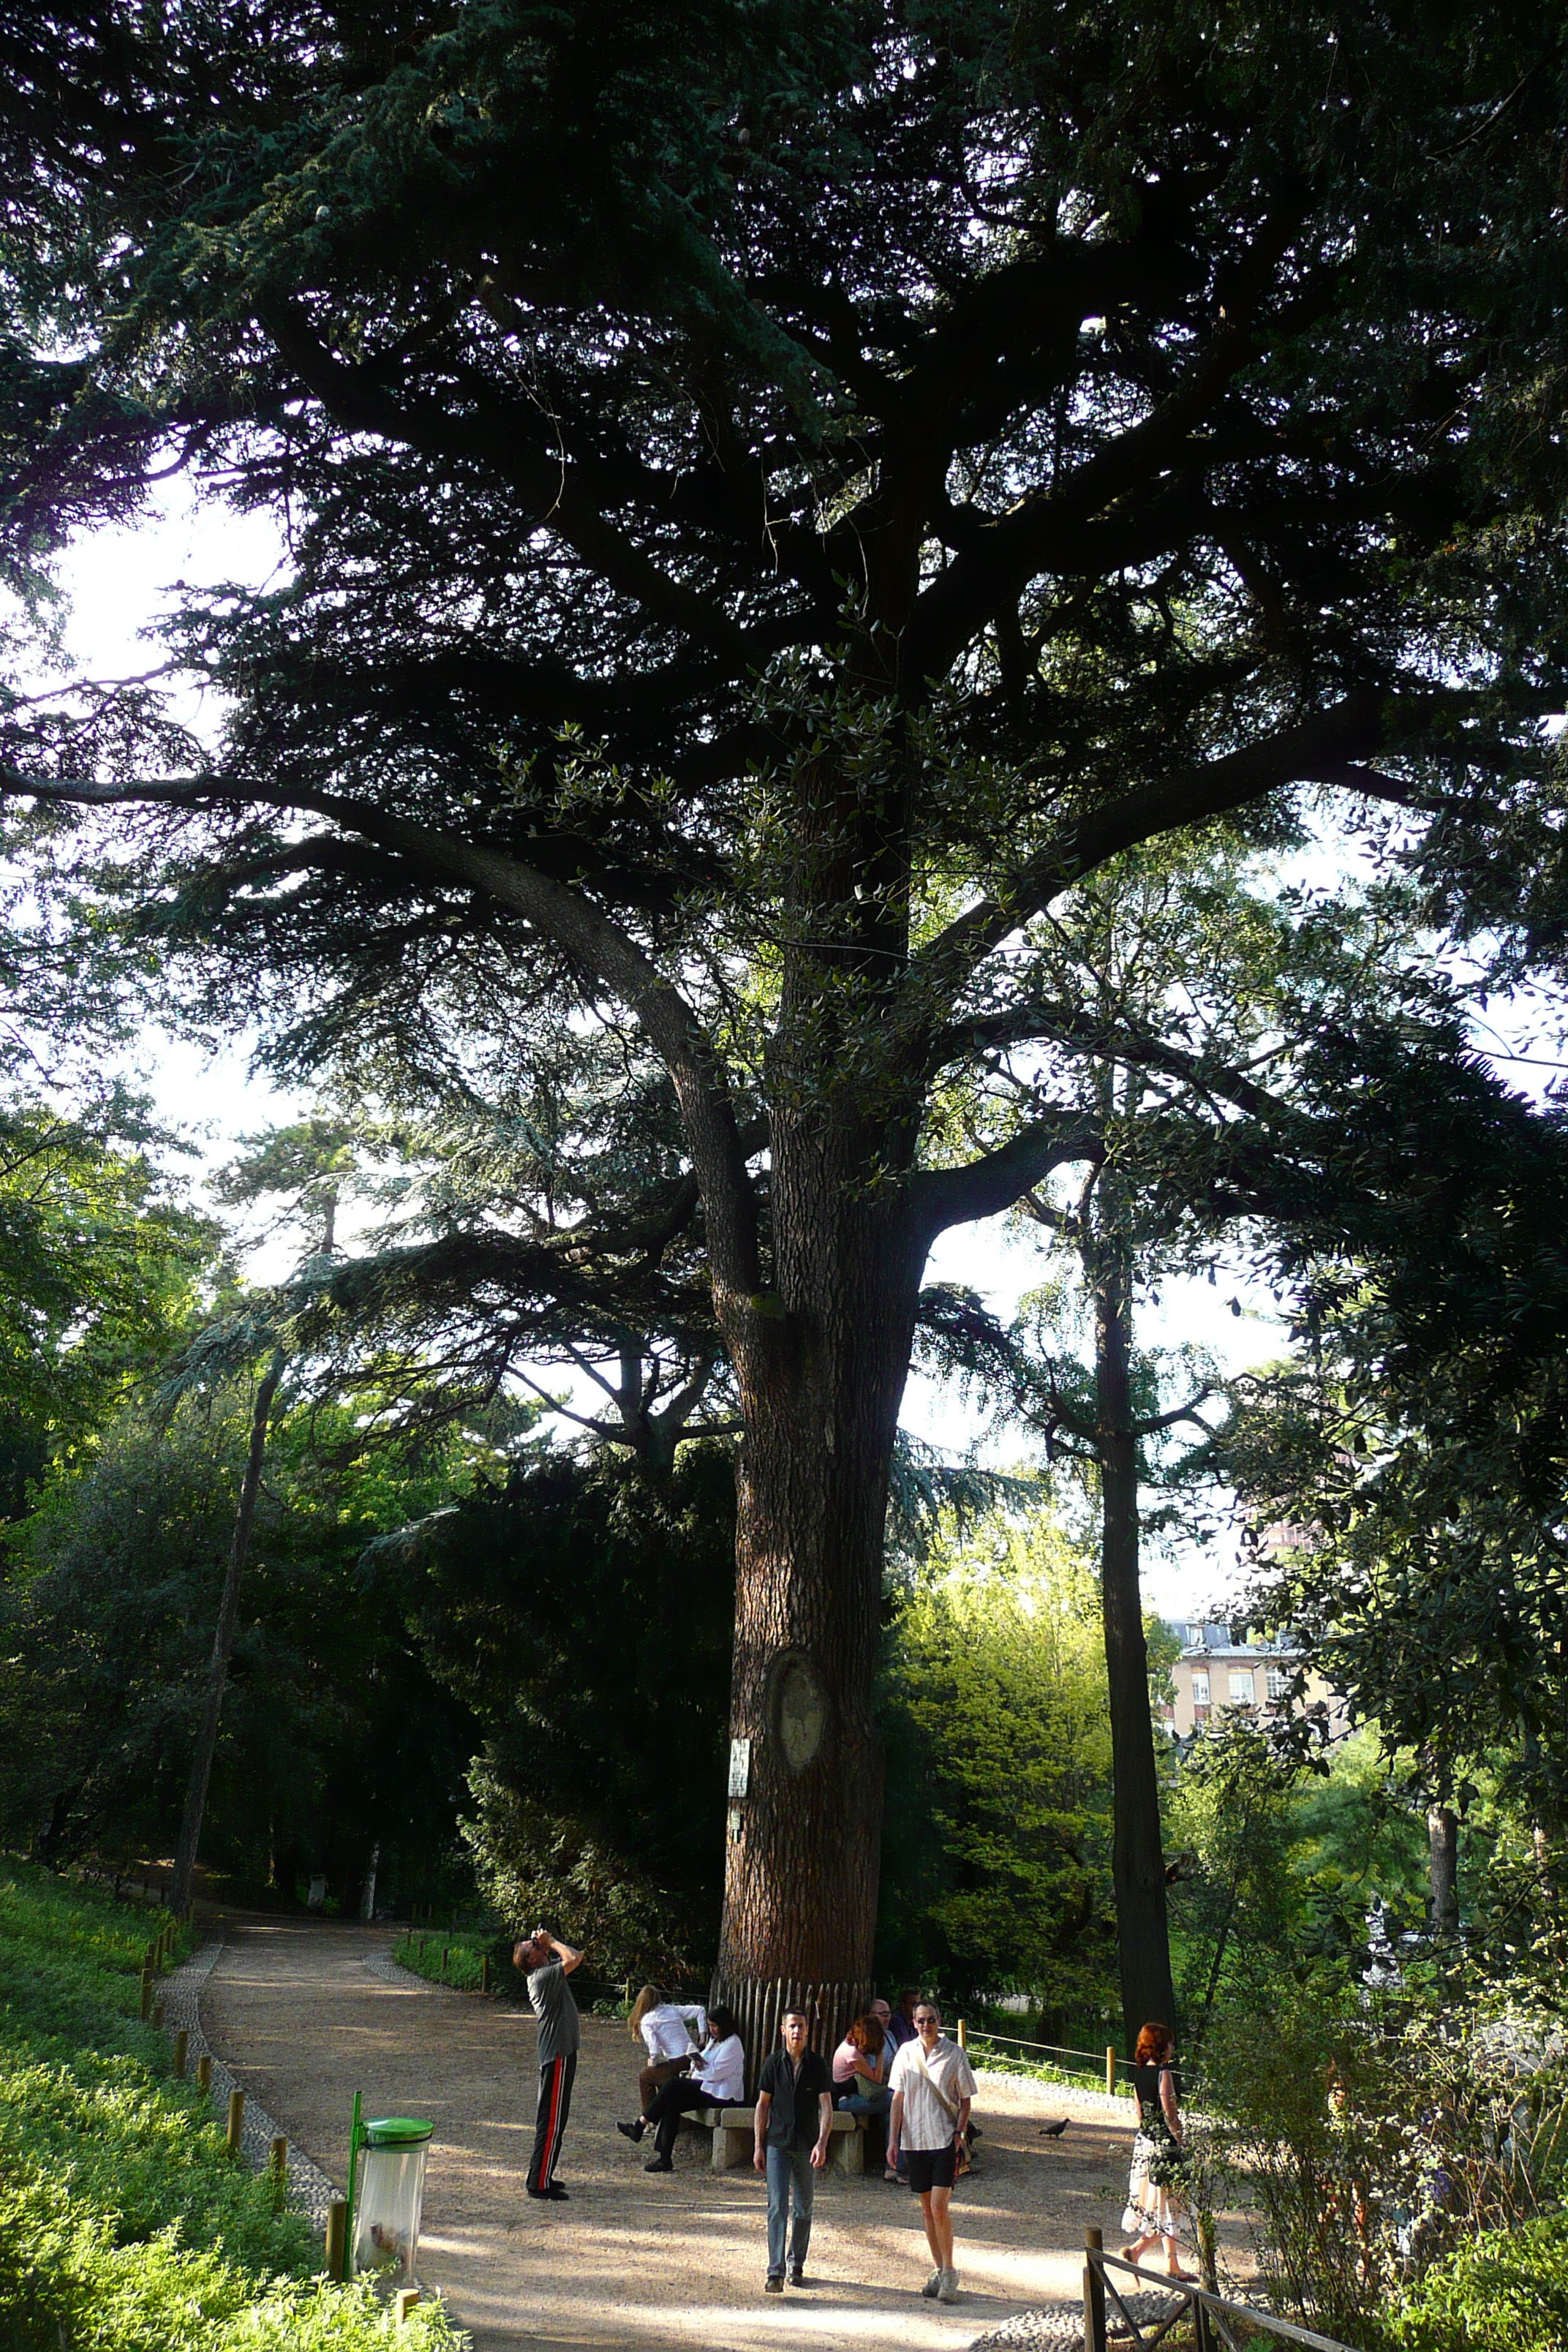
[(397, 2131)]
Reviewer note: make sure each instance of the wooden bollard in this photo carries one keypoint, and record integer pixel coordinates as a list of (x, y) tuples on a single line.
[(235, 2121), (205, 2073), (157, 2017), (964, 2033), (1110, 2073), (485, 1975), (278, 2159), (1093, 2295), (182, 2049), (445, 1949), (403, 2303), (337, 2237), (146, 1994)]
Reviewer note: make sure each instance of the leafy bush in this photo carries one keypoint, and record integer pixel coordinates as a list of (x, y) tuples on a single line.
[(1506, 2292), (1370, 2159), (124, 2224)]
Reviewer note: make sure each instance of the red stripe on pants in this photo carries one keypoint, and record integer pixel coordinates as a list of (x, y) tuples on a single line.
[(549, 2124)]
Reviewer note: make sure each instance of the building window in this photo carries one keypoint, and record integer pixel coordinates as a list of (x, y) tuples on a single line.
[(1241, 1685), (1200, 1686), (1278, 1683)]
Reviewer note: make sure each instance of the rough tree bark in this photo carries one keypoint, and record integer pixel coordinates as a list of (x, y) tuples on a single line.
[(821, 1367), (1138, 1860), (1443, 1867), (223, 1640)]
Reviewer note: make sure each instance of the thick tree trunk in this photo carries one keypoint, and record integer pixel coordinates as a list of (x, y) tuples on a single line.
[(821, 1372), (1443, 1865), (1138, 1860), (223, 1641)]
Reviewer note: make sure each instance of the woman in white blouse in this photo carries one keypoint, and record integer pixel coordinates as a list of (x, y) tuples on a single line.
[(718, 2079), (661, 2026)]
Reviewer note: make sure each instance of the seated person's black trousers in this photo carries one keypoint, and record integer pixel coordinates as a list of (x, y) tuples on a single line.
[(676, 2099)]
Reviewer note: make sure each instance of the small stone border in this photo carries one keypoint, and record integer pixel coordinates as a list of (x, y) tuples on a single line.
[(308, 2187), (1059, 2326)]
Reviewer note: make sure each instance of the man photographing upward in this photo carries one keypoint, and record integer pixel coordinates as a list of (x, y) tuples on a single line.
[(548, 1963)]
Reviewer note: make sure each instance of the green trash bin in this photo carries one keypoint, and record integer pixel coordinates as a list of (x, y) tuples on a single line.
[(390, 2197)]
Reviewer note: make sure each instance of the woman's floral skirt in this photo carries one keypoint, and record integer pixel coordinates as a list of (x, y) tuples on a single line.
[(1153, 2207)]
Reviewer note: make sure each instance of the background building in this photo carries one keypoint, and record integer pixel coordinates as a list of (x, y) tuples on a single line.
[(1215, 1672)]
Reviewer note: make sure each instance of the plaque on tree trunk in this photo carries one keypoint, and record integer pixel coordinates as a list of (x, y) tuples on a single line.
[(801, 1707)]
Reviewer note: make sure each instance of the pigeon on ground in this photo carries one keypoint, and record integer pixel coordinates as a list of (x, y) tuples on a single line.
[(1053, 2131)]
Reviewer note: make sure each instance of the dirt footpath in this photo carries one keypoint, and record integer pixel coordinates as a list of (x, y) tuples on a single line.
[(675, 2260)]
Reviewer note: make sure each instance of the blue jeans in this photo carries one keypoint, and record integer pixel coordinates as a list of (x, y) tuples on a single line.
[(785, 2165), (875, 2102)]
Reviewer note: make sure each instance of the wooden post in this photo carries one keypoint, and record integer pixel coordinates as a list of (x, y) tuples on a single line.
[(962, 2034), (182, 2045), (1208, 2276), (157, 2017), (337, 2237), (1093, 2295), (277, 2161), (146, 1994), (235, 2121), (485, 1974), (403, 2303), (445, 1949), (205, 2073), (1110, 2073)]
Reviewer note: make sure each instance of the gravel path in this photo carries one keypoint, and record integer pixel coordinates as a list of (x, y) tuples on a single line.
[(306, 2014), (309, 2189)]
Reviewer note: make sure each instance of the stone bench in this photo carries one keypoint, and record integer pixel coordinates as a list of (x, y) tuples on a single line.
[(734, 2131)]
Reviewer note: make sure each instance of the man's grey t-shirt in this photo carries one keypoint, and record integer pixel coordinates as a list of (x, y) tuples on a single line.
[(556, 2011)]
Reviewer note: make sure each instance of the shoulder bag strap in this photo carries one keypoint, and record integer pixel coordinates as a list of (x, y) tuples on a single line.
[(943, 2102)]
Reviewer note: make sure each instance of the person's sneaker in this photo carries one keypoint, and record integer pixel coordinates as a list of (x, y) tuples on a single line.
[(659, 2163), (948, 2291), (932, 2286), (631, 2131), (773, 2283)]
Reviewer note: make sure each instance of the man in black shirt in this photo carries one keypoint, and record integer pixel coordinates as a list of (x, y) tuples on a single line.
[(794, 2115)]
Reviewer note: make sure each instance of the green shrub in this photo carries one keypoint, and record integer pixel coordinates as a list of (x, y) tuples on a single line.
[(124, 2224), (1507, 2292)]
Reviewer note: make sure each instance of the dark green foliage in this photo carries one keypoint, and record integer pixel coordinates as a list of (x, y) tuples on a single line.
[(583, 1615), (334, 1734), (1417, 1454)]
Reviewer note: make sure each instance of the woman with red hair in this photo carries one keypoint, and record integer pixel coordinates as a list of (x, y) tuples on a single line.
[(1153, 2199)]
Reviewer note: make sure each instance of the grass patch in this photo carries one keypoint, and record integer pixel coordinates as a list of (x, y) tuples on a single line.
[(125, 2226), (455, 1957), (997, 2059)]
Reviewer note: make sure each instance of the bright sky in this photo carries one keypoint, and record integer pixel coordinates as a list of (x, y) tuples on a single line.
[(116, 580)]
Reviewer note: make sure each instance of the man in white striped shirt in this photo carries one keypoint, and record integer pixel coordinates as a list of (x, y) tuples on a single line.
[(932, 2085)]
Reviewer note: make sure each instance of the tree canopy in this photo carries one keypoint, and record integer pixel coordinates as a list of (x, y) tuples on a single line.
[(896, 461)]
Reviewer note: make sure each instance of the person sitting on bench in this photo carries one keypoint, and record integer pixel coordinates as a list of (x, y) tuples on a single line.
[(666, 2028), (718, 2079)]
